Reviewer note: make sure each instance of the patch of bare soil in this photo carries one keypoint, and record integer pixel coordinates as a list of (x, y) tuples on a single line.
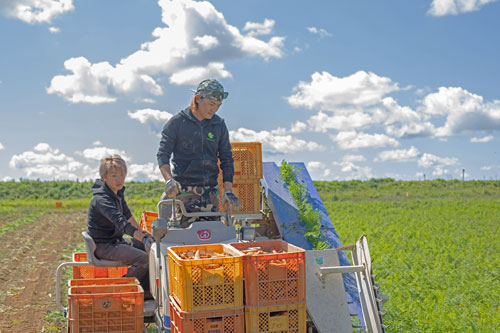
[(14, 216), (29, 257)]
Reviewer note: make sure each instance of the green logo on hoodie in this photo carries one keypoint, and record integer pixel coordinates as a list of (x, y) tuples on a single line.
[(210, 136)]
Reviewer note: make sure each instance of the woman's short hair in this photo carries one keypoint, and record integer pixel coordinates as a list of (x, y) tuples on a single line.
[(113, 161)]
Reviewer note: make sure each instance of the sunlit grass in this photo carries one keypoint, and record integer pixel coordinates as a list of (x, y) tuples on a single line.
[(438, 259)]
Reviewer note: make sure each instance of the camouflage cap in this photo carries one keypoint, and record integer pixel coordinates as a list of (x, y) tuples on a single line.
[(211, 88)]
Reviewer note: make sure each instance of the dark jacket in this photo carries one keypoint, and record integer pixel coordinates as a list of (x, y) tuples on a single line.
[(196, 147), (108, 214)]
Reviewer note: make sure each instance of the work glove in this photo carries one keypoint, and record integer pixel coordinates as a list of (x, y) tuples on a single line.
[(172, 187), (148, 241), (232, 200)]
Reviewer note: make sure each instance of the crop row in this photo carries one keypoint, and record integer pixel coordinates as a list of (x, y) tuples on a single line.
[(438, 259)]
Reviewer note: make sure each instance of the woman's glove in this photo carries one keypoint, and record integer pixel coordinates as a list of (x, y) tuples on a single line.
[(148, 241), (232, 200), (172, 187)]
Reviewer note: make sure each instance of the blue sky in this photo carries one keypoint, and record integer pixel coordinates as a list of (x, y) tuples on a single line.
[(354, 89)]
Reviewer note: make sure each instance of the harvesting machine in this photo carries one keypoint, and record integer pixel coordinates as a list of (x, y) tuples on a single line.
[(340, 294)]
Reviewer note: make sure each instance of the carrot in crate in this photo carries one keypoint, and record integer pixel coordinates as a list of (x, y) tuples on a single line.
[(205, 277), (274, 272)]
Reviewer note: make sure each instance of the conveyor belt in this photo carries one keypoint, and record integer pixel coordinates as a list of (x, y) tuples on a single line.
[(285, 213)]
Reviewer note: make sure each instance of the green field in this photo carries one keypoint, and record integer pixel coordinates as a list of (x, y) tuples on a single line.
[(436, 250)]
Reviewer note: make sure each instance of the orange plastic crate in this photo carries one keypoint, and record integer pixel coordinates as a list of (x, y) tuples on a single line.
[(274, 278), (221, 321), (247, 160), (147, 219), (290, 318), (248, 191), (206, 284), (115, 308), (92, 272), (102, 281)]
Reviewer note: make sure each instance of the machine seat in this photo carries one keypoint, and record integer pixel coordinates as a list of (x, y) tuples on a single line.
[(90, 247)]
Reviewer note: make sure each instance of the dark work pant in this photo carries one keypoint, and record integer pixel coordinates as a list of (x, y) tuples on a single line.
[(131, 253)]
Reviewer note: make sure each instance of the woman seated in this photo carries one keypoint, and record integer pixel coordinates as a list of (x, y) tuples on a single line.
[(110, 218)]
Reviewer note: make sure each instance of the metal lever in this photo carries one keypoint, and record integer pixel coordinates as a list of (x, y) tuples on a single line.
[(323, 271)]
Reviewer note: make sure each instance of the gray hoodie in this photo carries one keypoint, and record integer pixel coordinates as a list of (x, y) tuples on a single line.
[(196, 146)]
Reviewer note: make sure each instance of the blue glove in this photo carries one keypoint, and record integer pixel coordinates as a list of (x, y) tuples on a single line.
[(232, 200), (148, 241)]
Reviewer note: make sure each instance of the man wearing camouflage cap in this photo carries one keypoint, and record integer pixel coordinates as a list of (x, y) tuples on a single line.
[(197, 138)]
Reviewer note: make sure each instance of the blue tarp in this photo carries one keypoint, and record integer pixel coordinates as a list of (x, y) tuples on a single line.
[(285, 213)]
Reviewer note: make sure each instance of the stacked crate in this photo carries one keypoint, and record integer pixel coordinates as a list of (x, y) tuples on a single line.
[(147, 219), (275, 287), (247, 174), (101, 300), (91, 272), (206, 294)]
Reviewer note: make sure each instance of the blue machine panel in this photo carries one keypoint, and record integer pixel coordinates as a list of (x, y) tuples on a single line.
[(285, 213)]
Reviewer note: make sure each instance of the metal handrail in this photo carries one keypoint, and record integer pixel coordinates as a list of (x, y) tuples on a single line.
[(58, 282), (183, 209)]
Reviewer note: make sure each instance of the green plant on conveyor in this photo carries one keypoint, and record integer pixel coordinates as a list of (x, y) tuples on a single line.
[(307, 215)]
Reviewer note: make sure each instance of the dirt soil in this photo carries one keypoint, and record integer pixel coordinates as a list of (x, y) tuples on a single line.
[(29, 256)]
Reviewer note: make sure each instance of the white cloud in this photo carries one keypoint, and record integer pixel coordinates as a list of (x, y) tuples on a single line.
[(358, 102), (321, 32), (327, 92), (54, 30), (403, 122), (348, 165), (207, 42), (93, 83), (47, 163), (315, 165), (465, 112), (194, 75), (97, 143), (98, 153), (36, 11), (354, 140), (353, 158), (489, 167), (275, 143), (298, 127), (143, 172), (2, 146), (194, 43), (255, 29), (398, 155), (429, 160), (43, 147), (482, 140), (155, 119), (455, 7), (318, 168), (146, 100), (438, 163), (321, 122)]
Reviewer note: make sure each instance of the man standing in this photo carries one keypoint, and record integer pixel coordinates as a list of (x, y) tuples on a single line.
[(198, 138)]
